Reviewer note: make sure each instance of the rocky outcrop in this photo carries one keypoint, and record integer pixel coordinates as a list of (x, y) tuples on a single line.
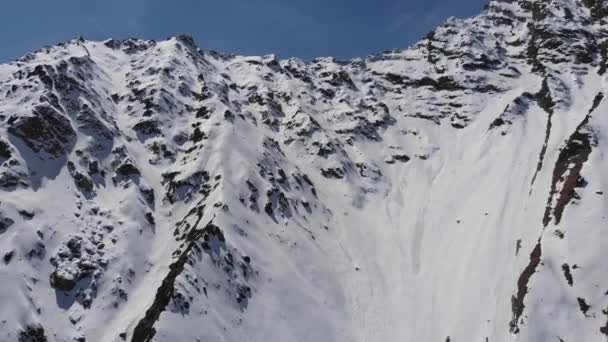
[(45, 130), (296, 200)]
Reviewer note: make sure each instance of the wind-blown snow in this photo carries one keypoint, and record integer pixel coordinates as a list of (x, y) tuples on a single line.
[(451, 191)]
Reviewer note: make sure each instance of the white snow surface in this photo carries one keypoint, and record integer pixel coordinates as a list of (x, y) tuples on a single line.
[(451, 191)]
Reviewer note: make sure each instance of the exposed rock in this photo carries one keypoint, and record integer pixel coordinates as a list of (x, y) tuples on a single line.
[(5, 223), (45, 130), (32, 333)]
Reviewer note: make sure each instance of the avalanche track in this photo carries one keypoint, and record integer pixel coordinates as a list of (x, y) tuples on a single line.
[(452, 191)]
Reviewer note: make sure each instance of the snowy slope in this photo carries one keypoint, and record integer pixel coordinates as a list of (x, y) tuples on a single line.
[(452, 191)]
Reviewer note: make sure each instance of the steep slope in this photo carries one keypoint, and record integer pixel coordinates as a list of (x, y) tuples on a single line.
[(451, 191)]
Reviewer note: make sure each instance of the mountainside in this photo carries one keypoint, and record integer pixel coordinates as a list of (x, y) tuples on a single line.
[(452, 191)]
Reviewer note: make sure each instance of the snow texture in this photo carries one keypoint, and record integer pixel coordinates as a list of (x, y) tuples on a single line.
[(454, 191)]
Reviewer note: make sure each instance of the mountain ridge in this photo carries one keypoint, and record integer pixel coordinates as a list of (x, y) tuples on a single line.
[(154, 191)]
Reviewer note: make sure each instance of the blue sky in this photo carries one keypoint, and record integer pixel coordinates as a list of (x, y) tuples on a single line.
[(302, 28)]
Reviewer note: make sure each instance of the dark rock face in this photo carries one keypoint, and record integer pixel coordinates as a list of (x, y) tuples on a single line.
[(604, 328), (62, 281), (5, 223), (598, 8), (78, 263), (517, 301), (9, 180), (184, 188), (233, 145), (569, 165), (337, 173), (128, 169), (515, 111), (89, 123), (5, 152), (401, 158), (81, 181), (145, 331), (147, 129), (8, 257), (32, 334), (46, 130)]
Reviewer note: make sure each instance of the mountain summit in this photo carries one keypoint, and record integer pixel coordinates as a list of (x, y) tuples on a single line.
[(452, 191)]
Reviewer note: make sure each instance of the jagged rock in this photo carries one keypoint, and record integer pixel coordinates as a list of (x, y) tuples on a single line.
[(337, 173), (127, 169), (430, 164), (32, 333), (5, 152), (184, 188), (147, 129), (8, 257), (5, 223), (82, 182), (148, 196), (45, 130), (63, 280), (75, 260), (10, 180)]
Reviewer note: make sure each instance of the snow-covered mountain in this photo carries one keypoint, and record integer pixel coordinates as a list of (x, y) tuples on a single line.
[(452, 191)]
